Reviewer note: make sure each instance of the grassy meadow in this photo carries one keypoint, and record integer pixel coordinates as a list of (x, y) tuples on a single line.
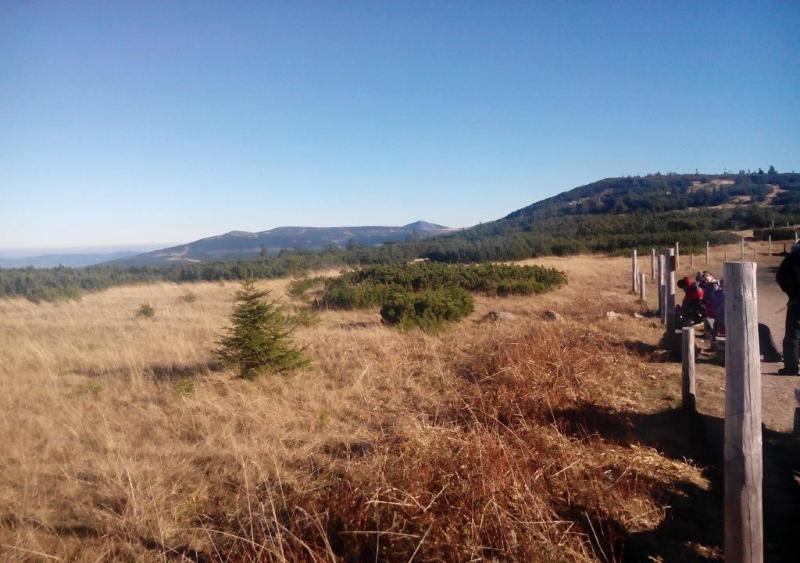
[(516, 440)]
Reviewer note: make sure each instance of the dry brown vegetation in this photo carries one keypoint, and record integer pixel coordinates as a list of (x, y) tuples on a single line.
[(123, 441)]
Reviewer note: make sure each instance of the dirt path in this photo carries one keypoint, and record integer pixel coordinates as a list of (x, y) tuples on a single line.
[(777, 391)]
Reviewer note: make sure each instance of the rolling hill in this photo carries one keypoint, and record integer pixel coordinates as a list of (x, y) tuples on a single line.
[(617, 214), (243, 244), (68, 260)]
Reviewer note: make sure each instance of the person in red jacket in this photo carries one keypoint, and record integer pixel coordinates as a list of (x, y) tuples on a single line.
[(692, 307)]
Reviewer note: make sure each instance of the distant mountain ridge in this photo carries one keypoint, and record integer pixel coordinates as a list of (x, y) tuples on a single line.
[(244, 244), (69, 260)]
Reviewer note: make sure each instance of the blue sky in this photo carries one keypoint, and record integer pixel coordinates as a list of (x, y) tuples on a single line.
[(133, 123)]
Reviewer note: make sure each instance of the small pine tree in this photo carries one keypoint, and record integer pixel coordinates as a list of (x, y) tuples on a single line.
[(259, 339)]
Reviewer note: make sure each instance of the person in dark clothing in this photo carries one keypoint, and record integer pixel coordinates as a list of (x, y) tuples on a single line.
[(788, 277)]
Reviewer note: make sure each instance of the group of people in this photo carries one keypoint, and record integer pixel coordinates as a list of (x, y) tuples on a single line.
[(704, 301)]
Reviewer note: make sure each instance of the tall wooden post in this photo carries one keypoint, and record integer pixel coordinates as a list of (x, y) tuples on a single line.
[(634, 272), (726, 253), (670, 301), (642, 286), (706, 252), (755, 256), (653, 264), (691, 260), (662, 289), (677, 255), (741, 242), (688, 384), (743, 451), (769, 239)]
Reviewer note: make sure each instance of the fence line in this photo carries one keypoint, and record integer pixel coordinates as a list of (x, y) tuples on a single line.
[(743, 465)]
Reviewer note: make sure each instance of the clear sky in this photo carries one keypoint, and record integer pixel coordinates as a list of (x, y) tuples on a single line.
[(126, 123)]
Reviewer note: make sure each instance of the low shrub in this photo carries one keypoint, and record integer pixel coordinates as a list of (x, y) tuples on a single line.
[(188, 297), (146, 310), (298, 288), (427, 310), (778, 233), (373, 286)]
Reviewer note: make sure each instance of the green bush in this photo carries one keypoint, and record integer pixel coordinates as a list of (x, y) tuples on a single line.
[(778, 233), (259, 338), (146, 310), (373, 286), (299, 288), (427, 310)]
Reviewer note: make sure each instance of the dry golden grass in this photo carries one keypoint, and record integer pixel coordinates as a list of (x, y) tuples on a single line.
[(122, 441)]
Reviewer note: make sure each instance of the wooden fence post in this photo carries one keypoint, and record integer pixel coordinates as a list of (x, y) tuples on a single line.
[(743, 451), (770, 244), (642, 286), (677, 255), (755, 256), (706, 252), (691, 260), (662, 289), (634, 272), (670, 301), (726, 253), (688, 385), (742, 248), (653, 264)]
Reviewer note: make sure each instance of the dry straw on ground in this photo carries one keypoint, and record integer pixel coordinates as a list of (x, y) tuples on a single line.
[(122, 440)]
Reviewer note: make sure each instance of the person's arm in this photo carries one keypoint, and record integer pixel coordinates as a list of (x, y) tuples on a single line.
[(785, 277)]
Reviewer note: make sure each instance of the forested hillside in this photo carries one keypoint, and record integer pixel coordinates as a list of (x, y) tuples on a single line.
[(617, 214), (612, 215)]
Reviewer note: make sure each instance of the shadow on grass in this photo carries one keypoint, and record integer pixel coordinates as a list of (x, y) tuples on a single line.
[(695, 515), (161, 372), (170, 372)]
